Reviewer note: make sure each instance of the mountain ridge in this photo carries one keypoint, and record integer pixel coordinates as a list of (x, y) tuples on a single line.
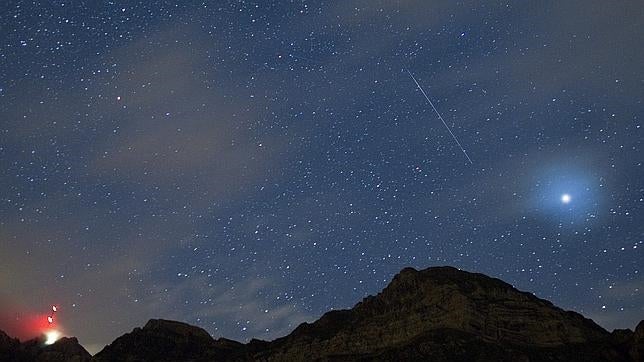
[(439, 314)]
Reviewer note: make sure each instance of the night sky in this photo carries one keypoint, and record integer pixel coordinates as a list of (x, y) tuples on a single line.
[(247, 166)]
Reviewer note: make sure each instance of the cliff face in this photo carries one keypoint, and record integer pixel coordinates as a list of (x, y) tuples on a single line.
[(438, 314), (442, 313)]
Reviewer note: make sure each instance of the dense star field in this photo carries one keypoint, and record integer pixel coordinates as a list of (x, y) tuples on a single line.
[(247, 166)]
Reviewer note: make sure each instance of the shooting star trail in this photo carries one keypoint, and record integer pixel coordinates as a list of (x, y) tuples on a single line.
[(439, 116)]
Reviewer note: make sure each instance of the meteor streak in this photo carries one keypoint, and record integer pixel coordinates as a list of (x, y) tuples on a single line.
[(439, 116)]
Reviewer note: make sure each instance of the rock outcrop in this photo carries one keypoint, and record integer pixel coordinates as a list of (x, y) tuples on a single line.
[(9, 347), (437, 314), (65, 349), (446, 314), (163, 340), (637, 345)]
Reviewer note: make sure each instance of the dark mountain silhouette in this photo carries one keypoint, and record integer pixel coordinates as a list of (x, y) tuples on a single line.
[(65, 349), (437, 314)]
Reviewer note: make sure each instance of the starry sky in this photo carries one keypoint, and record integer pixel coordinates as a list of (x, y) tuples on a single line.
[(246, 166)]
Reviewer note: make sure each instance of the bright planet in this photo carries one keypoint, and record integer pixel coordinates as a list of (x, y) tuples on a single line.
[(565, 198)]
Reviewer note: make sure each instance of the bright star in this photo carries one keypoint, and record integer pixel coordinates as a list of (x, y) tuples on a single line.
[(565, 198)]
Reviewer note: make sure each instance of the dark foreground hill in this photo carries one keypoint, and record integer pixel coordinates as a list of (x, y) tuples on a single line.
[(437, 314), (65, 349)]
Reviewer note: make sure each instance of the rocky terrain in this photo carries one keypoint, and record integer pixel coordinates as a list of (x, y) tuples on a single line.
[(65, 349), (437, 314)]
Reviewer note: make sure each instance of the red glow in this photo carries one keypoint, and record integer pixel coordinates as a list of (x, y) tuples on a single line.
[(25, 326), (22, 324)]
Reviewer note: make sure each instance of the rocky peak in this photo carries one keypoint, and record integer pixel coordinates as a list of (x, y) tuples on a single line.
[(445, 297), (159, 340), (637, 349), (65, 349), (639, 330), (443, 300), (6, 341), (8, 347), (178, 329), (164, 340)]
